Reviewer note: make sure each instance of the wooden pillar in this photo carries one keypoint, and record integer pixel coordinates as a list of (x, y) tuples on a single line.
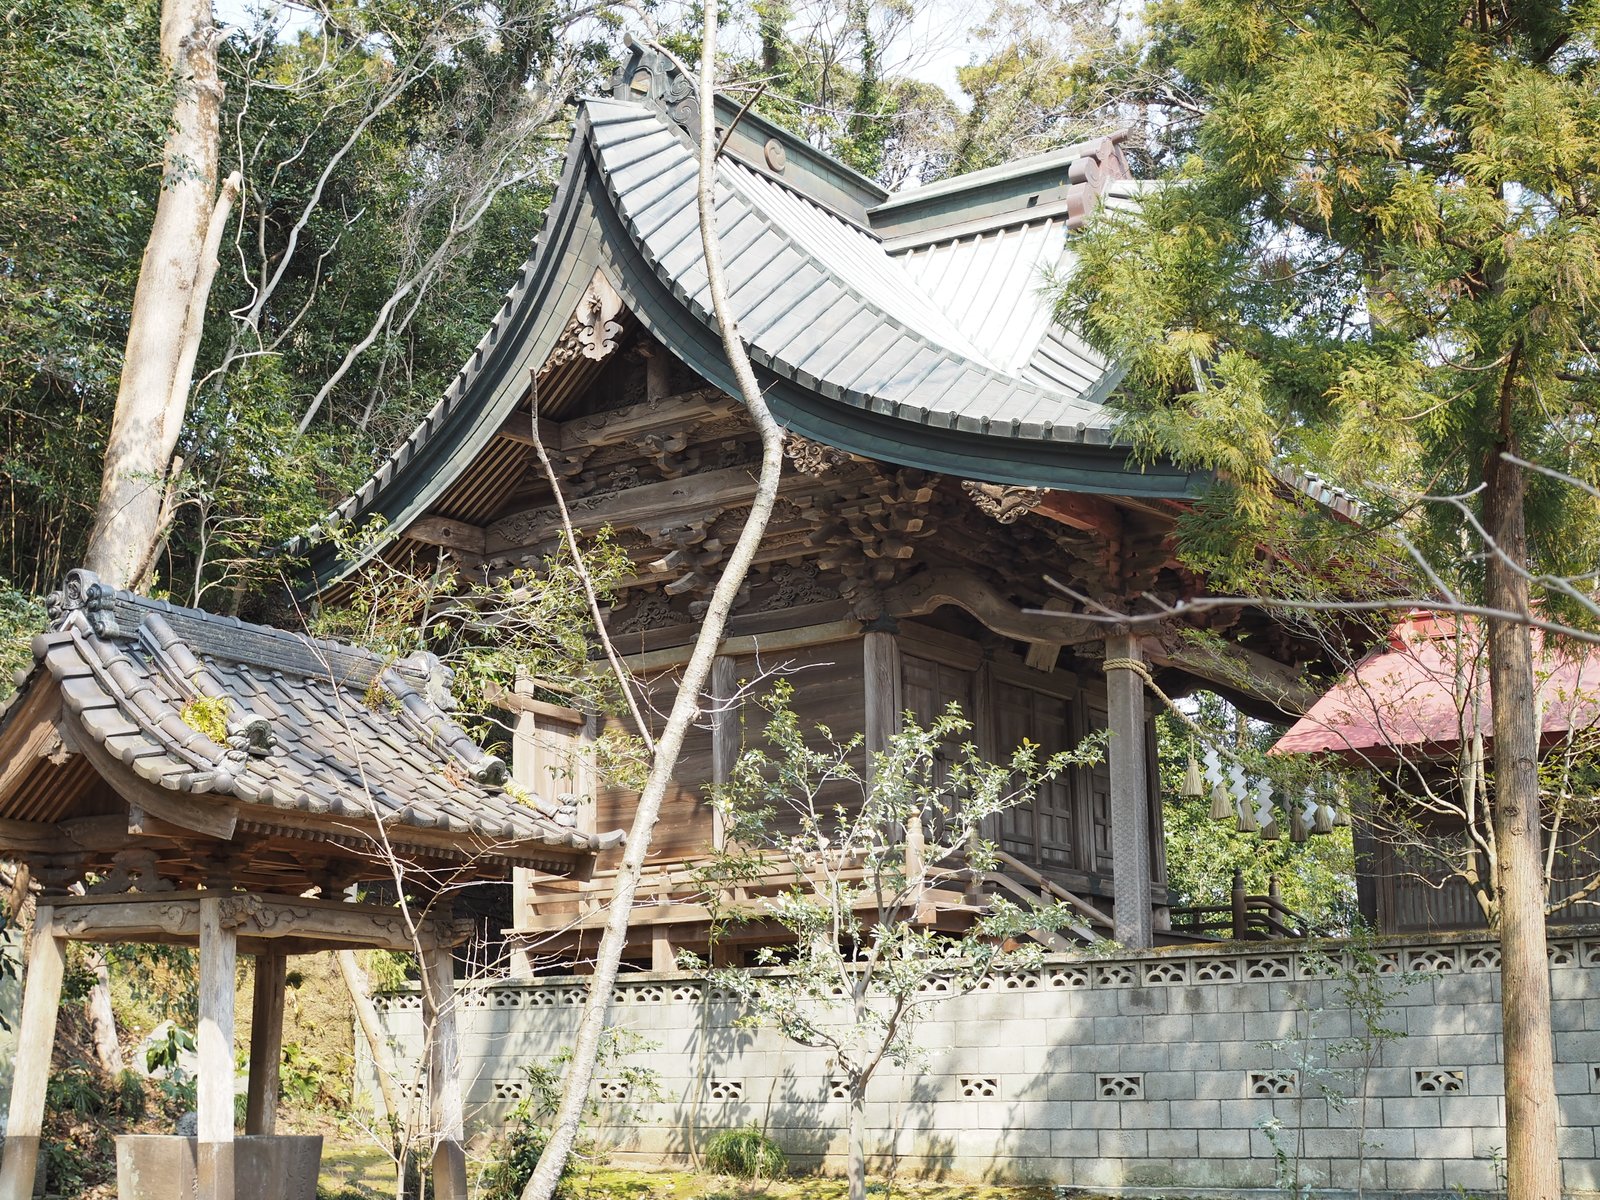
[(880, 671), (724, 734), (36, 1036), (1130, 796), (214, 1049), (662, 955), (266, 1044), (446, 1117)]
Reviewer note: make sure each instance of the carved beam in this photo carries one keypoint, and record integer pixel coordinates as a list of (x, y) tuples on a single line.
[(628, 424), (937, 588), (653, 507), (176, 916), (1091, 514), (1235, 669), (518, 427), (452, 535)]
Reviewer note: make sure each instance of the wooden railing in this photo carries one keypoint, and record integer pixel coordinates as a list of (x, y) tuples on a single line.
[(1246, 918)]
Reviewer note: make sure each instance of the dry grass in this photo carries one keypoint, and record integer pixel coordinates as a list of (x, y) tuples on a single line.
[(350, 1171)]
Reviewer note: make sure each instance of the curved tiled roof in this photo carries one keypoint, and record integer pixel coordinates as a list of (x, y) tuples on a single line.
[(857, 341), (819, 301), (316, 728)]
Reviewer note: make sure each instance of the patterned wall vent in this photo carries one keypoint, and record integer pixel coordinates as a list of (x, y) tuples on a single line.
[(613, 1089), (1274, 1083), (1591, 954), (838, 1089), (1429, 1081), (1066, 977), (979, 1087), (1481, 958), (1113, 974), (1121, 1087), (509, 1089), (1262, 970), (1436, 960), (1159, 973), (725, 1089), (1216, 970), (686, 992), (1562, 954)]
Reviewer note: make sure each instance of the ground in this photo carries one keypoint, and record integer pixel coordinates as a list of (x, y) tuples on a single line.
[(360, 1172)]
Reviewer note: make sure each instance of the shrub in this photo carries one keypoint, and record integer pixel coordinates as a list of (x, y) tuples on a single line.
[(745, 1153)]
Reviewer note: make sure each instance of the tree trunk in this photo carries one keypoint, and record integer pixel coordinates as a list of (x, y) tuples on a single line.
[(691, 686), (355, 982), (1533, 1167), (856, 1168), (102, 1019), (168, 305)]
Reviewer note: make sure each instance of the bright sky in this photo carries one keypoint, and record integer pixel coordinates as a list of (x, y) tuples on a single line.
[(937, 43)]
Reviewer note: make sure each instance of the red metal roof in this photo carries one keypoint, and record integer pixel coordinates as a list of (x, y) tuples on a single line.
[(1429, 688)]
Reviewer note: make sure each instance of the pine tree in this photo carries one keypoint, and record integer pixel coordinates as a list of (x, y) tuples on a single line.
[(1378, 256)]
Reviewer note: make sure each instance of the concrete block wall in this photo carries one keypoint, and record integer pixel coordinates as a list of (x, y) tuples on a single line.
[(1184, 1069)]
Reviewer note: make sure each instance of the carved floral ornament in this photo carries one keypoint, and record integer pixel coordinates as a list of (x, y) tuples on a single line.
[(812, 458), (1005, 504), (596, 316)]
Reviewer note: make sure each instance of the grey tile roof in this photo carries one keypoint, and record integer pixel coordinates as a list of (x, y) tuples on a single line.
[(316, 728), (822, 302)]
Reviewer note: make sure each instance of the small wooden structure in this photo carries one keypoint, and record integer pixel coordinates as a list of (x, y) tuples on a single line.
[(172, 776), (1416, 714)]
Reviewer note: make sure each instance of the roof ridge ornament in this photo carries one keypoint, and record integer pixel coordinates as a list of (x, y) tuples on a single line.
[(82, 591), (650, 75)]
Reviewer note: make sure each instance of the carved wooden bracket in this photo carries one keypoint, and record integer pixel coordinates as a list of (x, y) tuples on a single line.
[(812, 458), (1005, 504)]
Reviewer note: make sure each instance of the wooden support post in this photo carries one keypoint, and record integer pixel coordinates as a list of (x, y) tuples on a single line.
[(1130, 795), (724, 734), (214, 1049), (41, 1001), (446, 1116), (880, 671), (662, 956), (266, 1044), (1241, 907)]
